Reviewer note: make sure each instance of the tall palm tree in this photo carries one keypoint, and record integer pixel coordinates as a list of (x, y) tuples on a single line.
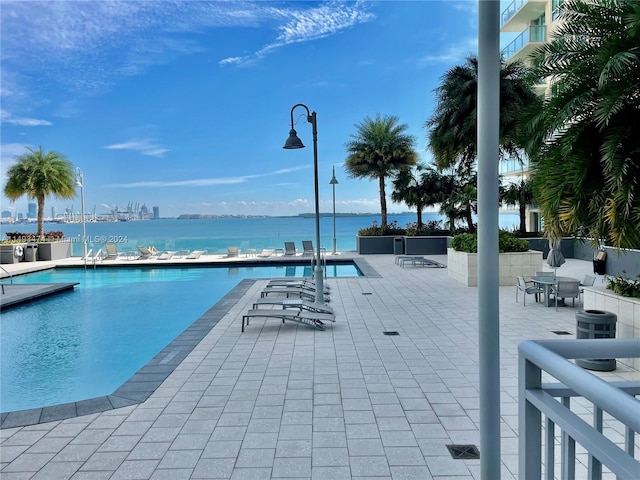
[(378, 149), (38, 174), (520, 194), (418, 187), (452, 129), (584, 142)]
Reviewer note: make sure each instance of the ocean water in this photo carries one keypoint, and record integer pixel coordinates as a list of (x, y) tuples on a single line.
[(215, 235)]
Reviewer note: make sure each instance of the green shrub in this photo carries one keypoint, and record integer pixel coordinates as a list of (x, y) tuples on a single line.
[(432, 227), (623, 286), (507, 242), (375, 230), (17, 237)]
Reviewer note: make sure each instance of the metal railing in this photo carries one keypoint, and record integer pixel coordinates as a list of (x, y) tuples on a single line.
[(10, 277), (533, 34), (537, 399), (511, 10)]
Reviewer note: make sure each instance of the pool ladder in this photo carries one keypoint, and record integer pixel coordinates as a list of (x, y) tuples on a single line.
[(323, 261), (93, 259)]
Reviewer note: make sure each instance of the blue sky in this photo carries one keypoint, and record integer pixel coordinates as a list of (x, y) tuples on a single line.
[(186, 104)]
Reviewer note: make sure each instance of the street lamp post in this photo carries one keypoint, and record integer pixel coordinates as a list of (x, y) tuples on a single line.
[(333, 183), (294, 142), (80, 183)]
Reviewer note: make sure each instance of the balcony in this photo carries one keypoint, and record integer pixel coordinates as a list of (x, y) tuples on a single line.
[(519, 14), (525, 43)]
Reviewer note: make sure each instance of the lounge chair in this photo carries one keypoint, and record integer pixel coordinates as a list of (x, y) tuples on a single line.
[(292, 292), (111, 250), (307, 248), (300, 304), (233, 251), (166, 255), (147, 252), (267, 252), (313, 319), (195, 254), (289, 249), (295, 284), (420, 261), (305, 280)]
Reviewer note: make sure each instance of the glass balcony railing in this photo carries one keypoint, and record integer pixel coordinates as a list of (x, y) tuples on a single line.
[(511, 10), (533, 34)]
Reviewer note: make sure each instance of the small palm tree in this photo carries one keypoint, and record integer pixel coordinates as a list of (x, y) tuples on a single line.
[(38, 174), (520, 194), (378, 149), (453, 127), (584, 142)]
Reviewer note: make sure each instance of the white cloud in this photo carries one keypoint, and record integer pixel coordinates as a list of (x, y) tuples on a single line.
[(303, 25), (145, 147), (206, 182), (8, 118), (451, 54)]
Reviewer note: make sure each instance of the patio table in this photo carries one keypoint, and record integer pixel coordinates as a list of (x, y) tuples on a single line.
[(547, 283)]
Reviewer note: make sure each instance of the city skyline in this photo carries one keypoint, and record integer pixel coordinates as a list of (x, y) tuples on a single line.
[(187, 104)]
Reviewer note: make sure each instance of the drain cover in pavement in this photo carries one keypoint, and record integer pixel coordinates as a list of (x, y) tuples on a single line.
[(367, 293), (561, 332), (390, 332), (464, 452)]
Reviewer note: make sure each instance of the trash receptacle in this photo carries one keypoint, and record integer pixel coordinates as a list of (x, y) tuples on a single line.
[(596, 324), (600, 263), (31, 252), (398, 246)]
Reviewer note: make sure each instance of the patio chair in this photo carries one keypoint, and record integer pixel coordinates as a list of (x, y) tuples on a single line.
[(289, 249), (545, 274), (588, 281), (568, 289), (266, 252), (307, 248), (312, 319), (527, 288), (195, 254), (233, 251)]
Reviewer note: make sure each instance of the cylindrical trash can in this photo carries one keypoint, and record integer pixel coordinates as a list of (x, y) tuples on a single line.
[(398, 246), (596, 324), (31, 252)]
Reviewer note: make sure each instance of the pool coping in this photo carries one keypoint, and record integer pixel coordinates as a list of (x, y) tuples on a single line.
[(145, 381)]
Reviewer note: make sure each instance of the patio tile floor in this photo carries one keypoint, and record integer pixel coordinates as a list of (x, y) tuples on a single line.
[(286, 401)]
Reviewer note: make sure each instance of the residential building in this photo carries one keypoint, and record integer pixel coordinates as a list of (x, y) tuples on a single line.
[(532, 21)]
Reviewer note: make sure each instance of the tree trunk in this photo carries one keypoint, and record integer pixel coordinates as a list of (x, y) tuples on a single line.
[(383, 203), (419, 217), (41, 217), (469, 217), (523, 217)]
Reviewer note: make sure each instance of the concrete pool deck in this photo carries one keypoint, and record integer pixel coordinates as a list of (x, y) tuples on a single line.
[(286, 401)]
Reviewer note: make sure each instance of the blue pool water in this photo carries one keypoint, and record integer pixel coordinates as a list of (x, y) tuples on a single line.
[(87, 342)]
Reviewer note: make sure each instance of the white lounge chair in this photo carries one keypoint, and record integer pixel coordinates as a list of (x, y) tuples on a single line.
[(111, 251), (233, 251), (166, 255), (305, 284), (298, 303), (267, 252), (147, 252), (196, 254), (313, 319)]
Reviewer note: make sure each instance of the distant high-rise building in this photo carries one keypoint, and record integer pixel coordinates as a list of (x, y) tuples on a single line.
[(156, 213), (54, 213), (32, 210), (6, 214)]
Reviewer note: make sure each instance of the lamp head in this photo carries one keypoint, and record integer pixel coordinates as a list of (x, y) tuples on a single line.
[(293, 142), (79, 179), (334, 180)]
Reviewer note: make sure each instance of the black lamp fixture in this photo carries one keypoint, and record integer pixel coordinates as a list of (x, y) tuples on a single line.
[(293, 143)]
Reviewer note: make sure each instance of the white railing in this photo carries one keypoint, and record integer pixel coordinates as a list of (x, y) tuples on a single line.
[(537, 399), (533, 34)]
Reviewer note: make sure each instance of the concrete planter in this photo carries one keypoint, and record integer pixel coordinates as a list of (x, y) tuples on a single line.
[(463, 267), (7, 253), (426, 245), (627, 310), (375, 245), (54, 250)]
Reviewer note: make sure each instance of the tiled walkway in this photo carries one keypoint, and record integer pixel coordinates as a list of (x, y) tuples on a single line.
[(286, 401)]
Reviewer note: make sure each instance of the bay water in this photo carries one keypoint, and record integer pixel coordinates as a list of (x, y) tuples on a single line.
[(215, 235)]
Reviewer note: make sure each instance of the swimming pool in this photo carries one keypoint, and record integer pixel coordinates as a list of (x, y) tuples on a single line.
[(85, 343)]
